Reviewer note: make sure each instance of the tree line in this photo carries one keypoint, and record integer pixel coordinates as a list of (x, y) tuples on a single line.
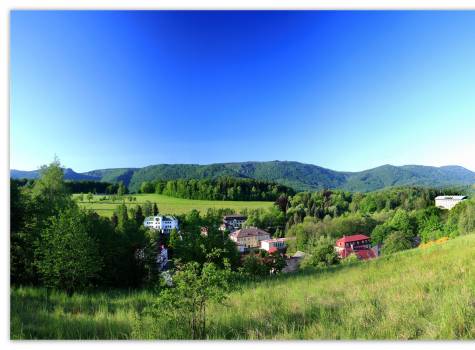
[(82, 186), (223, 188)]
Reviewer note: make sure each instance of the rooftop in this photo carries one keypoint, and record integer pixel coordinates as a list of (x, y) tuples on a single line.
[(451, 197), (249, 232), (298, 254), (353, 238), (156, 218), (275, 240)]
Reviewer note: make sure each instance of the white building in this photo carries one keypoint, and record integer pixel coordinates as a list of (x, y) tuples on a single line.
[(163, 223), (278, 243), (249, 237), (233, 222), (448, 202)]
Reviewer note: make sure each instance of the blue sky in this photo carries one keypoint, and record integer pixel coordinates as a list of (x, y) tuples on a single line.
[(344, 90)]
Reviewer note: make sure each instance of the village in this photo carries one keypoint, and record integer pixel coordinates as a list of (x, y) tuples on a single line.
[(253, 239)]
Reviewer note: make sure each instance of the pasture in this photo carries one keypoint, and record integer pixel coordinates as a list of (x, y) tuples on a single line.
[(167, 205)]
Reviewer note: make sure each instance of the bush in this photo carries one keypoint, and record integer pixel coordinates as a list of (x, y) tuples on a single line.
[(396, 241), (323, 254), (350, 259)]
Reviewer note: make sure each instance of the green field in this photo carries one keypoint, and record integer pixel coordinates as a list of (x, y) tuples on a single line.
[(416, 294), (169, 205)]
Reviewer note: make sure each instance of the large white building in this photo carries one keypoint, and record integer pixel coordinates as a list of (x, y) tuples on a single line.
[(163, 223), (448, 202), (277, 243)]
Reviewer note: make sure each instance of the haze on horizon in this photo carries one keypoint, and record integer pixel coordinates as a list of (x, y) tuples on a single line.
[(345, 90)]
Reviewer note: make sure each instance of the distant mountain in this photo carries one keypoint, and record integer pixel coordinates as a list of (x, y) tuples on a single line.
[(69, 174), (113, 175), (22, 174), (301, 177), (293, 174), (412, 175)]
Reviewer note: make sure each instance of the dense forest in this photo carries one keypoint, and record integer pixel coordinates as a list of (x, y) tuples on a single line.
[(223, 188), (299, 176)]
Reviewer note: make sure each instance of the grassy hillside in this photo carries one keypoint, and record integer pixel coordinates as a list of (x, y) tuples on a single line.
[(417, 294), (170, 205)]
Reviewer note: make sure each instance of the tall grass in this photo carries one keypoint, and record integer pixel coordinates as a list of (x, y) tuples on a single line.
[(418, 294)]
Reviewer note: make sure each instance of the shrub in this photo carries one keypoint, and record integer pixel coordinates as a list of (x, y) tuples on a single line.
[(323, 253), (396, 242)]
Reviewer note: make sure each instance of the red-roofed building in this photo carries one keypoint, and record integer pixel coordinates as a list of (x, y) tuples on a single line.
[(357, 244)]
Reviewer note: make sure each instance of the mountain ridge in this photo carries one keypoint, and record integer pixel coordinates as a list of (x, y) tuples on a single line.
[(300, 176)]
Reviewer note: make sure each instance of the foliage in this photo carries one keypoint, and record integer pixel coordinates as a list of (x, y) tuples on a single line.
[(270, 220), (395, 242), (49, 191), (185, 304), (155, 209), (313, 229), (68, 258), (322, 253), (300, 177), (263, 264), (32, 206), (350, 259), (147, 209), (85, 186), (49, 236), (222, 188)]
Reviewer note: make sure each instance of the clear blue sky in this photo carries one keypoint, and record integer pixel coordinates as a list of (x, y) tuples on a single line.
[(344, 90)]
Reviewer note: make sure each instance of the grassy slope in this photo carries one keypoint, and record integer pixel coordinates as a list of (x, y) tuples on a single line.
[(171, 205), (425, 294)]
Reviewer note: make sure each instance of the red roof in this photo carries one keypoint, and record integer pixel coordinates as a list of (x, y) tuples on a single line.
[(365, 254), (273, 250), (348, 239)]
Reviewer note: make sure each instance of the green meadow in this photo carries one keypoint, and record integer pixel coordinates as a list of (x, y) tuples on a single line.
[(416, 294), (168, 205)]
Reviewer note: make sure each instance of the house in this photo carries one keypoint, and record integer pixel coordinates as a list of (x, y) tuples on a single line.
[(357, 244), (162, 223), (249, 237), (273, 244), (448, 202), (232, 222)]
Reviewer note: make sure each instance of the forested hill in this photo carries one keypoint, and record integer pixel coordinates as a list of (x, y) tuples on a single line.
[(297, 175)]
